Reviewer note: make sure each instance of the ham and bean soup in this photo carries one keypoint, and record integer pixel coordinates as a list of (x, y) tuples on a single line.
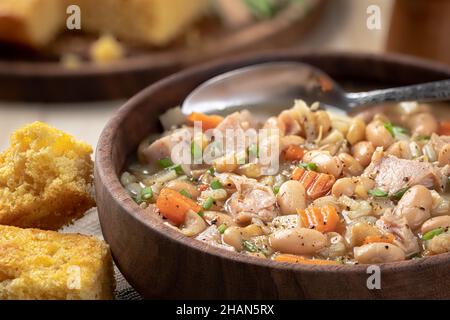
[(305, 186)]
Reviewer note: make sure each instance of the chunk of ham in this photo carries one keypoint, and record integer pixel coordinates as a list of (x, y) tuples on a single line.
[(176, 140), (238, 120), (250, 197), (398, 226), (213, 237), (392, 174)]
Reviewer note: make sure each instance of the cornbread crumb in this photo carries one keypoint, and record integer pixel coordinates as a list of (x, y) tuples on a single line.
[(71, 61), (46, 265), (106, 50), (45, 178)]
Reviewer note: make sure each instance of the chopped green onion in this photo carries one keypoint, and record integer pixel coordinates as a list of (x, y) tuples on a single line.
[(395, 130), (208, 203), (138, 199), (263, 9), (215, 185), (146, 193), (422, 138), (253, 150), (212, 171), (276, 189), (165, 163), (222, 228), (178, 169), (433, 233), (196, 151), (309, 166), (250, 246), (400, 193), (378, 193), (186, 194)]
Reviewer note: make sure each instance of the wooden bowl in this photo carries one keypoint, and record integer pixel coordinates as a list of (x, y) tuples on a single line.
[(161, 263), (41, 79)]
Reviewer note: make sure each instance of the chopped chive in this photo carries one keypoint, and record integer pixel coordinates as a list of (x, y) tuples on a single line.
[(262, 9), (222, 228), (394, 130), (146, 193), (208, 203), (400, 193), (165, 163), (253, 150), (422, 138), (215, 185), (378, 193), (249, 246), (308, 166), (138, 199), (276, 189), (186, 194), (433, 233), (178, 169), (196, 150)]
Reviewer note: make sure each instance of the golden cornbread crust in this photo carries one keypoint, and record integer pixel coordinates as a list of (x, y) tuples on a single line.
[(45, 178), (47, 265)]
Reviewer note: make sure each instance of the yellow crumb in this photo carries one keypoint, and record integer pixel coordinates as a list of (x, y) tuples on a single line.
[(37, 264), (45, 178), (106, 50)]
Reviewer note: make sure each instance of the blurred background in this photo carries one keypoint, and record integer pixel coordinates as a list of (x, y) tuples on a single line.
[(75, 80)]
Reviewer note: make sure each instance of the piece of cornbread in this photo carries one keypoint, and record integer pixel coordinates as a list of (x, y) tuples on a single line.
[(31, 22), (151, 22), (46, 265), (45, 178)]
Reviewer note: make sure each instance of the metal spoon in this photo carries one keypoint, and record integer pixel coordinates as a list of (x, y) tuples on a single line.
[(278, 84)]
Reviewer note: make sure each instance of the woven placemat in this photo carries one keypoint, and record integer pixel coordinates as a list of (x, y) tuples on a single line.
[(90, 225)]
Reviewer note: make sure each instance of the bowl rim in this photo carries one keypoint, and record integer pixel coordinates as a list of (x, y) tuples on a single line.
[(104, 166)]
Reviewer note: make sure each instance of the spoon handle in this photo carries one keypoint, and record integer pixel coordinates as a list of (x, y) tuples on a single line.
[(426, 92)]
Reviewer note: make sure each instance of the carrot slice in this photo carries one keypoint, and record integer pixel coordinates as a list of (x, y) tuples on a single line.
[(321, 186), (298, 173), (290, 258), (174, 206), (324, 219), (294, 153), (444, 128), (385, 238), (208, 121)]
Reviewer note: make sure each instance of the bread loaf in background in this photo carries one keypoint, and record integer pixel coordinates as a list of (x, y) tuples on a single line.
[(36, 23), (46, 265)]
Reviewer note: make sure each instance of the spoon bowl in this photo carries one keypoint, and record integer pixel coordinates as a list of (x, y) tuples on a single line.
[(278, 84)]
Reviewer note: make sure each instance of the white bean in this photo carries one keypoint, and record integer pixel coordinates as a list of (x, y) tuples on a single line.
[(325, 162), (379, 135), (357, 131), (362, 152), (434, 223), (193, 225), (234, 236), (378, 253), (291, 197), (415, 206), (298, 241), (439, 244)]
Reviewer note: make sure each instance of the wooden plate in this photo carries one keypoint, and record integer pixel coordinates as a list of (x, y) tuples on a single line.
[(161, 263), (42, 78)]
